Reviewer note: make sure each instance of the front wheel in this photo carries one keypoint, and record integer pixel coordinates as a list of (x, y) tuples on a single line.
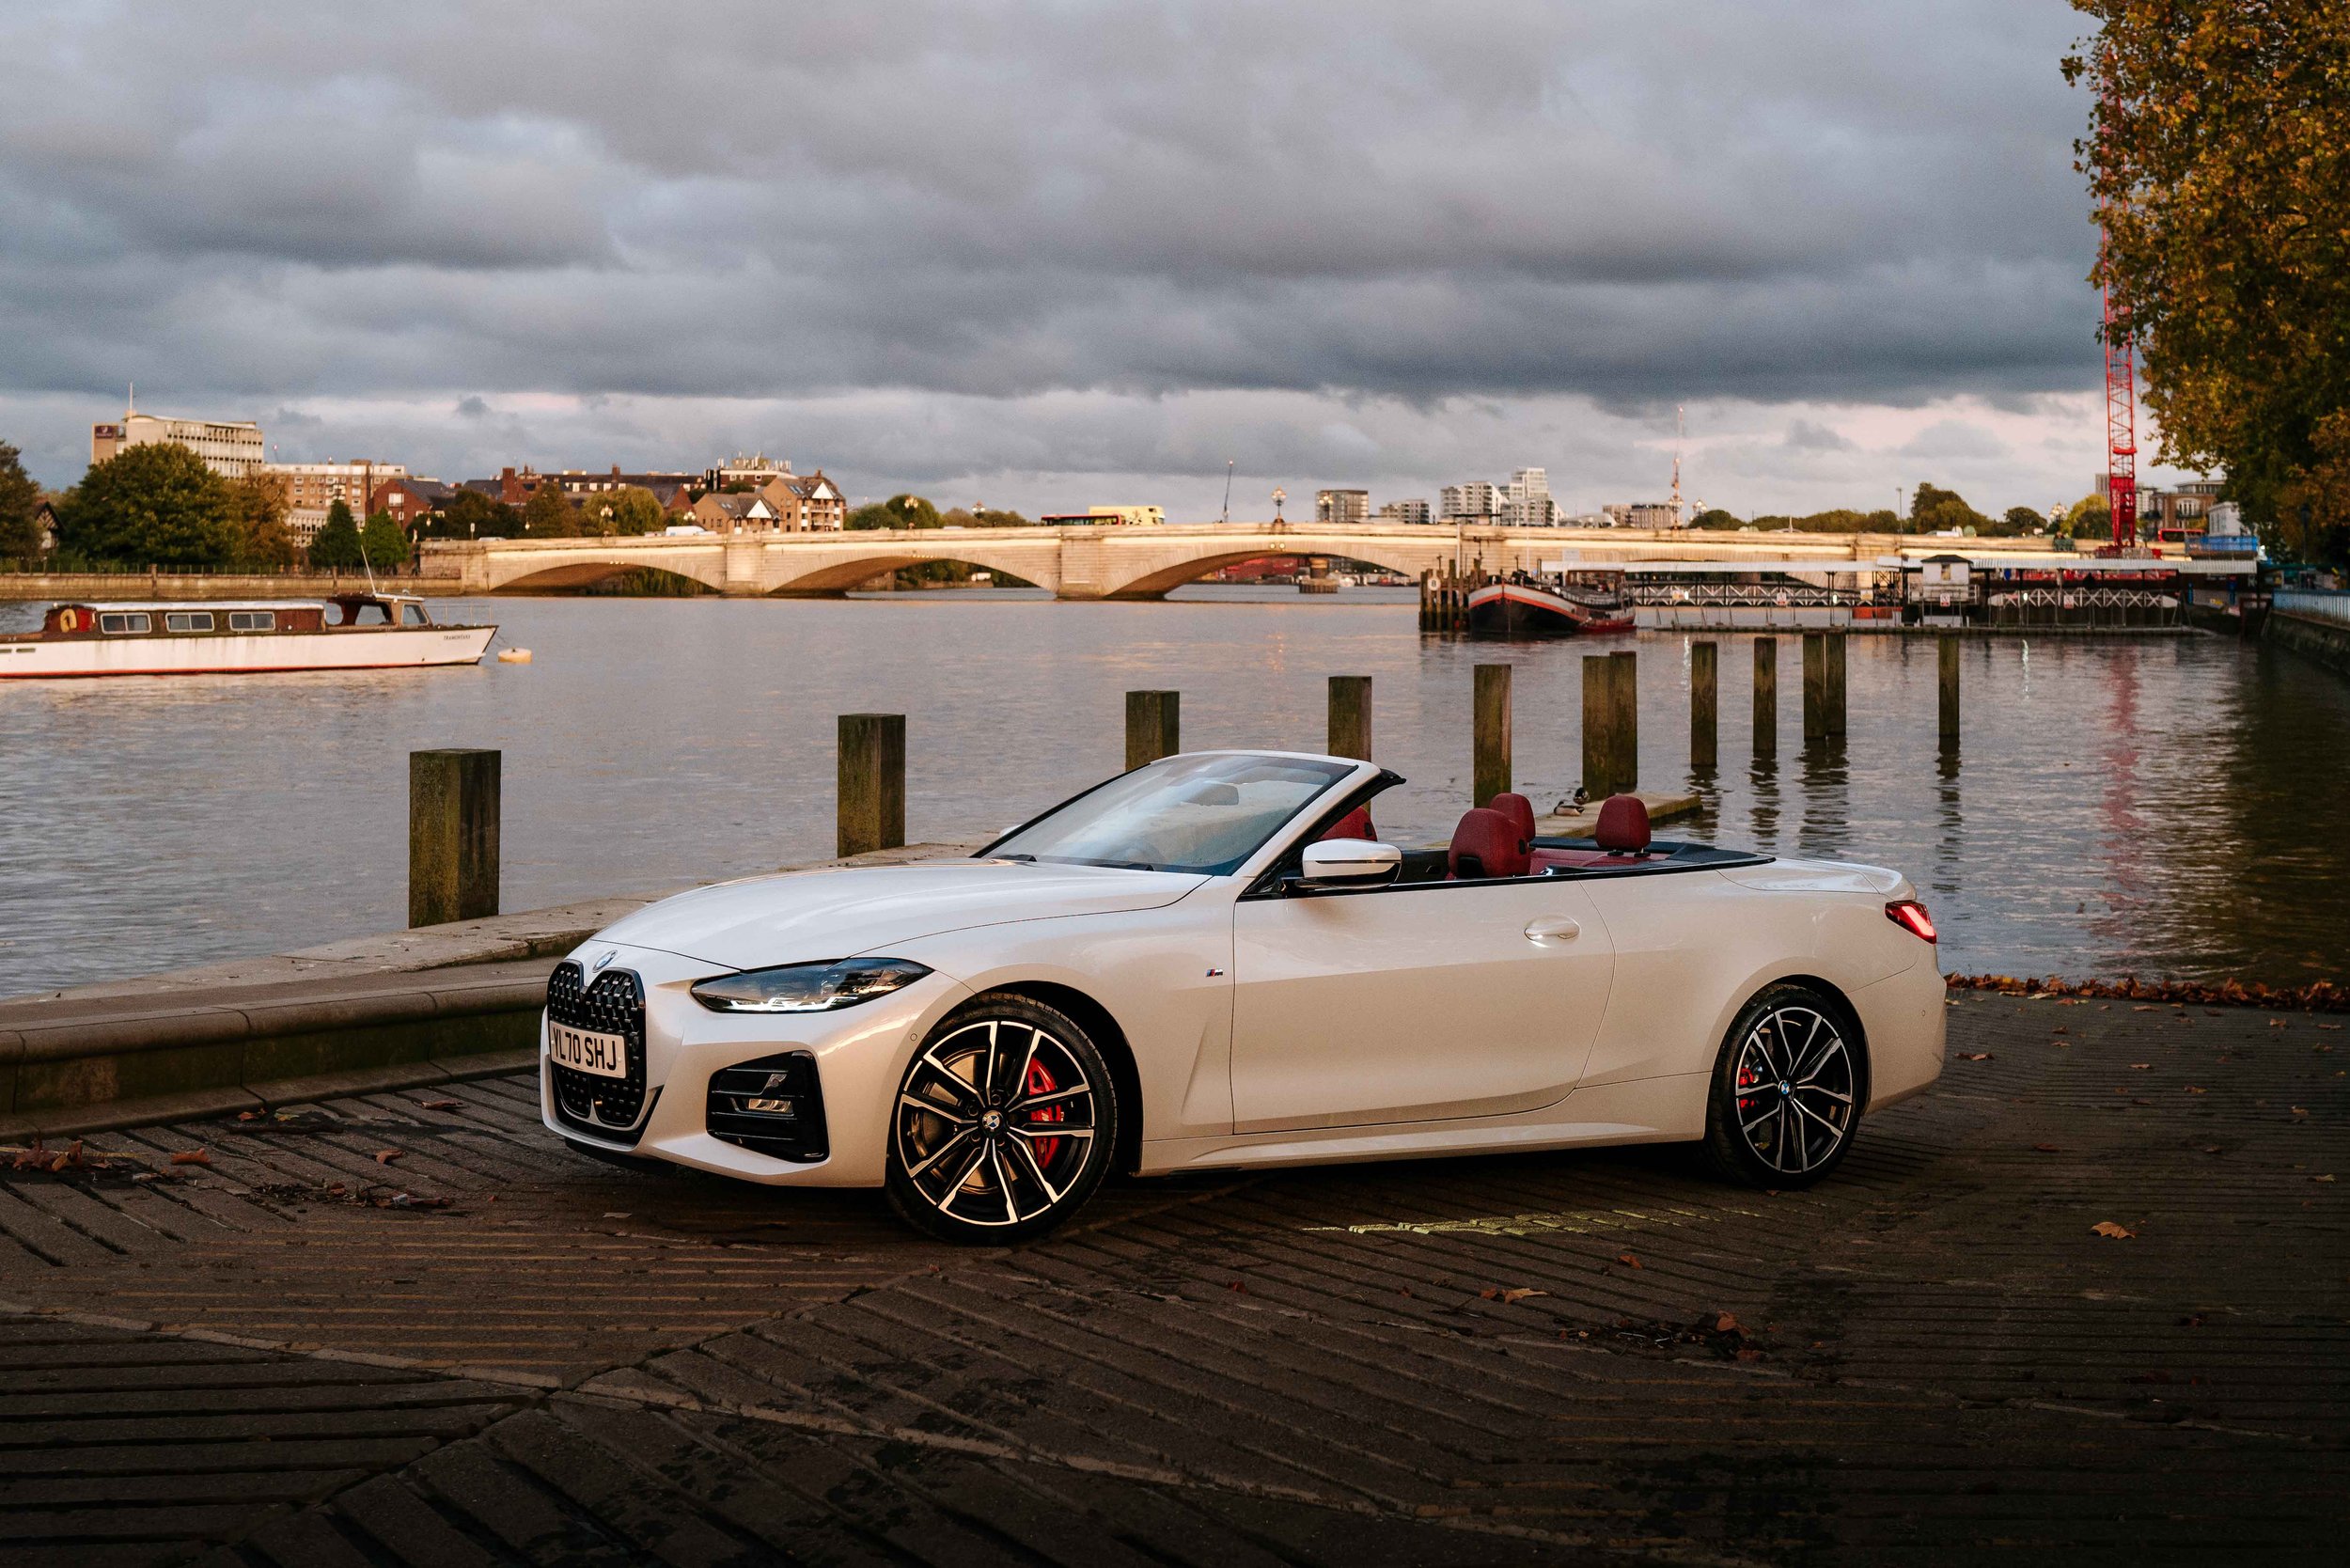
[(1787, 1090), (1004, 1125)]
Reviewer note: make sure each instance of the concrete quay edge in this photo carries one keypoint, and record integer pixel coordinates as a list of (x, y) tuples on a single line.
[(395, 1011)]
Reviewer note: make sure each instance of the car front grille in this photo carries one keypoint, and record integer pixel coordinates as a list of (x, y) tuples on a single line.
[(773, 1107), (608, 1107)]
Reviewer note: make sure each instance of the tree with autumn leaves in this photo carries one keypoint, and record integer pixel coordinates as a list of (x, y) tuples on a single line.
[(2218, 153)]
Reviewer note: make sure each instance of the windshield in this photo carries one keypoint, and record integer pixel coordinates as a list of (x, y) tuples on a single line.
[(1203, 815)]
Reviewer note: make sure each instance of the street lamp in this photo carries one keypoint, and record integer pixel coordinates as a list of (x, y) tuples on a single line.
[(1279, 495)]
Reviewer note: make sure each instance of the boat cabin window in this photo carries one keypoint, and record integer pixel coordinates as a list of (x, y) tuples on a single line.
[(188, 620), (413, 615), (253, 620), (119, 624)]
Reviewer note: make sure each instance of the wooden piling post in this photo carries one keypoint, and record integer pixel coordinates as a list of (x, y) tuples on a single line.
[(1814, 688), (1704, 672), (1946, 657), (1834, 668), (1490, 772), (453, 812), (1155, 727), (1766, 696), (1350, 717), (1624, 671), (871, 805), (1599, 726)]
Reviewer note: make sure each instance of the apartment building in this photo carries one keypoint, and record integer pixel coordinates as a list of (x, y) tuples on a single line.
[(1474, 501), (313, 488), (1404, 511), (1341, 505), (1642, 514), (229, 447)]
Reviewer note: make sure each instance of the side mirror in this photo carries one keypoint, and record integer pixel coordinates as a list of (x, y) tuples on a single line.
[(1349, 863)]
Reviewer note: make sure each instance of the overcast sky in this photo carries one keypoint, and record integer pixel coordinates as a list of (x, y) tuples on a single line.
[(1052, 255)]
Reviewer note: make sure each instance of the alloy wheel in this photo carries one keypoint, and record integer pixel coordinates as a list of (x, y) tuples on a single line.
[(995, 1123), (1795, 1086)]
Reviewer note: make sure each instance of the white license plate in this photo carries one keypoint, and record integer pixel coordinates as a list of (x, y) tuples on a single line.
[(603, 1055)]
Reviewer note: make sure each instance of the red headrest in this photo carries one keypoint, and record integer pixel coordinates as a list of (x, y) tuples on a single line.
[(1622, 824), (1518, 809), (1354, 824), (1487, 844)]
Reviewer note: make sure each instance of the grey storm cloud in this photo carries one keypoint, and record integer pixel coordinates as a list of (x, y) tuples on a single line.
[(1486, 199)]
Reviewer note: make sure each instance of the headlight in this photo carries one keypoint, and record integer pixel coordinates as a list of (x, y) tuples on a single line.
[(808, 987)]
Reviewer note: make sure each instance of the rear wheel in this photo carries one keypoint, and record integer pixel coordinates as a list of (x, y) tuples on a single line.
[(1787, 1090), (1004, 1123)]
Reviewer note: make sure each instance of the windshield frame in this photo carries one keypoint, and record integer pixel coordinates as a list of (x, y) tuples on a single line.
[(1351, 773)]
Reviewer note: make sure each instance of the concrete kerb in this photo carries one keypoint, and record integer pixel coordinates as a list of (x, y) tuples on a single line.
[(402, 1011)]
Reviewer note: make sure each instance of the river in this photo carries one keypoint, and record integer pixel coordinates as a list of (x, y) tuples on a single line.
[(2160, 807)]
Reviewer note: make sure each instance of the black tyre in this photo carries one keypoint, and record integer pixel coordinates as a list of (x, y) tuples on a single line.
[(1005, 1123), (1788, 1090)]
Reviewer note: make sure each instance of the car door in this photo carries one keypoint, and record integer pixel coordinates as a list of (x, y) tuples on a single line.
[(1413, 1003)]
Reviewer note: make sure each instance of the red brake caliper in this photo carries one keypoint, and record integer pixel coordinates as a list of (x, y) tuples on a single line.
[(1042, 1082), (1747, 1078)]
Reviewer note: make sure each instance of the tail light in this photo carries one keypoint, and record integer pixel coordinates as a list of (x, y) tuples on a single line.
[(1911, 917)]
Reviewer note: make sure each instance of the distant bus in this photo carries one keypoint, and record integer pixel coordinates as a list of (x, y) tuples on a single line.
[(1093, 517)]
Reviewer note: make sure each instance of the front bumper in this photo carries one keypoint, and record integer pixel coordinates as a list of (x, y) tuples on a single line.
[(853, 1061)]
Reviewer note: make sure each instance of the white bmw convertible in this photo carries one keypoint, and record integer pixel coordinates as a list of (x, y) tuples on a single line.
[(1212, 963)]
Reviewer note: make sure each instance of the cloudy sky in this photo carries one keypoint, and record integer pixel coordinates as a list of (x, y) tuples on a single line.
[(1049, 254)]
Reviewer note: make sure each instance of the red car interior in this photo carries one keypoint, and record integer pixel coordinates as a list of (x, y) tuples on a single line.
[(1487, 844), (1354, 824), (1623, 825), (1519, 810)]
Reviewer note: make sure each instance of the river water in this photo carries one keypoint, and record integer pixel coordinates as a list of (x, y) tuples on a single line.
[(2172, 808)]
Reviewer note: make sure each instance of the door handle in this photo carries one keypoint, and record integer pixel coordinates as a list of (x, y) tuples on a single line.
[(1544, 933)]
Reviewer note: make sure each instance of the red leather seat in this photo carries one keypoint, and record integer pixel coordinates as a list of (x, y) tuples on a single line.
[(1354, 824), (1486, 844), (1623, 825), (1518, 809), (1566, 859)]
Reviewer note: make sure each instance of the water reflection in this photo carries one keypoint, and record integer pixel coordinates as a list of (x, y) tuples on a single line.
[(2167, 806)]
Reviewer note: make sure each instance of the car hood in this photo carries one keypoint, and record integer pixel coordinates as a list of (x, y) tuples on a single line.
[(836, 913)]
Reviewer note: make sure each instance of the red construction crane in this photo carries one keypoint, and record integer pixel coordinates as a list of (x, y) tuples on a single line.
[(2121, 369)]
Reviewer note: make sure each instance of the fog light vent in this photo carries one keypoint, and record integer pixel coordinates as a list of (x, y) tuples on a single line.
[(771, 1107)]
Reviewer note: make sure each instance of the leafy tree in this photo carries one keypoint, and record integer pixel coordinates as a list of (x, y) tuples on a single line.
[(20, 497), (2021, 520), (1715, 517), (470, 514), (257, 507), (987, 518), (899, 511), (336, 546), (549, 513), (2220, 155), (385, 542), (630, 510), (1933, 508), (149, 506), (2090, 518)]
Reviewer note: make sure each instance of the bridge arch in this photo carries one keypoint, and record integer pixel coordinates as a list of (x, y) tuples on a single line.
[(571, 575), (1158, 582), (837, 571)]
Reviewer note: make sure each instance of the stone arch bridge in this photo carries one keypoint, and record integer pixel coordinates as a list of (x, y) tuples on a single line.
[(1107, 562)]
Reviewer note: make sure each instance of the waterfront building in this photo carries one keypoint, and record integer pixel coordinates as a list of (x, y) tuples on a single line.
[(806, 502), (311, 488), (1526, 500), (229, 447), (755, 472), (409, 500), (1474, 501), (736, 512), (1341, 505), (1404, 511)]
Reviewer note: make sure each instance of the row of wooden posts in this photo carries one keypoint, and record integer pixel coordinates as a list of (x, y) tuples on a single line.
[(453, 795)]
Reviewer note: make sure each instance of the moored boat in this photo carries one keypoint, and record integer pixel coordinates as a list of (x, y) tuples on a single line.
[(359, 631), (1531, 606)]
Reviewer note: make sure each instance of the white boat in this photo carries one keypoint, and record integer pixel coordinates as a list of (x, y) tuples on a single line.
[(359, 631)]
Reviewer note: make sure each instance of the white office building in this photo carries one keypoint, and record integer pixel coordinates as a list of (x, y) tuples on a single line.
[(229, 447)]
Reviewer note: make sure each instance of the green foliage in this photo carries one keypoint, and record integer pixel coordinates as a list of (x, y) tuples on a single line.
[(1932, 509), (1837, 520), (257, 505), (630, 510), (385, 542), (899, 511), (20, 497), (2219, 152), (549, 513), (1715, 517), (2090, 518), (2017, 521), (988, 518), (471, 514), (149, 506), (336, 546)]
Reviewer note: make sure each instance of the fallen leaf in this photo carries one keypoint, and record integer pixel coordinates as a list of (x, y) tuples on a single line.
[(192, 1157), (1726, 1324), (441, 1105), (146, 1176), (1628, 1260), (385, 1157), (248, 1116), (2335, 1026), (1511, 1295), (2141, 1066), (2047, 1149), (2196, 1089), (2145, 1007), (1974, 1056), (2111, 1231), (2060, 1030), (2300, 1110), (2321, 1178)]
